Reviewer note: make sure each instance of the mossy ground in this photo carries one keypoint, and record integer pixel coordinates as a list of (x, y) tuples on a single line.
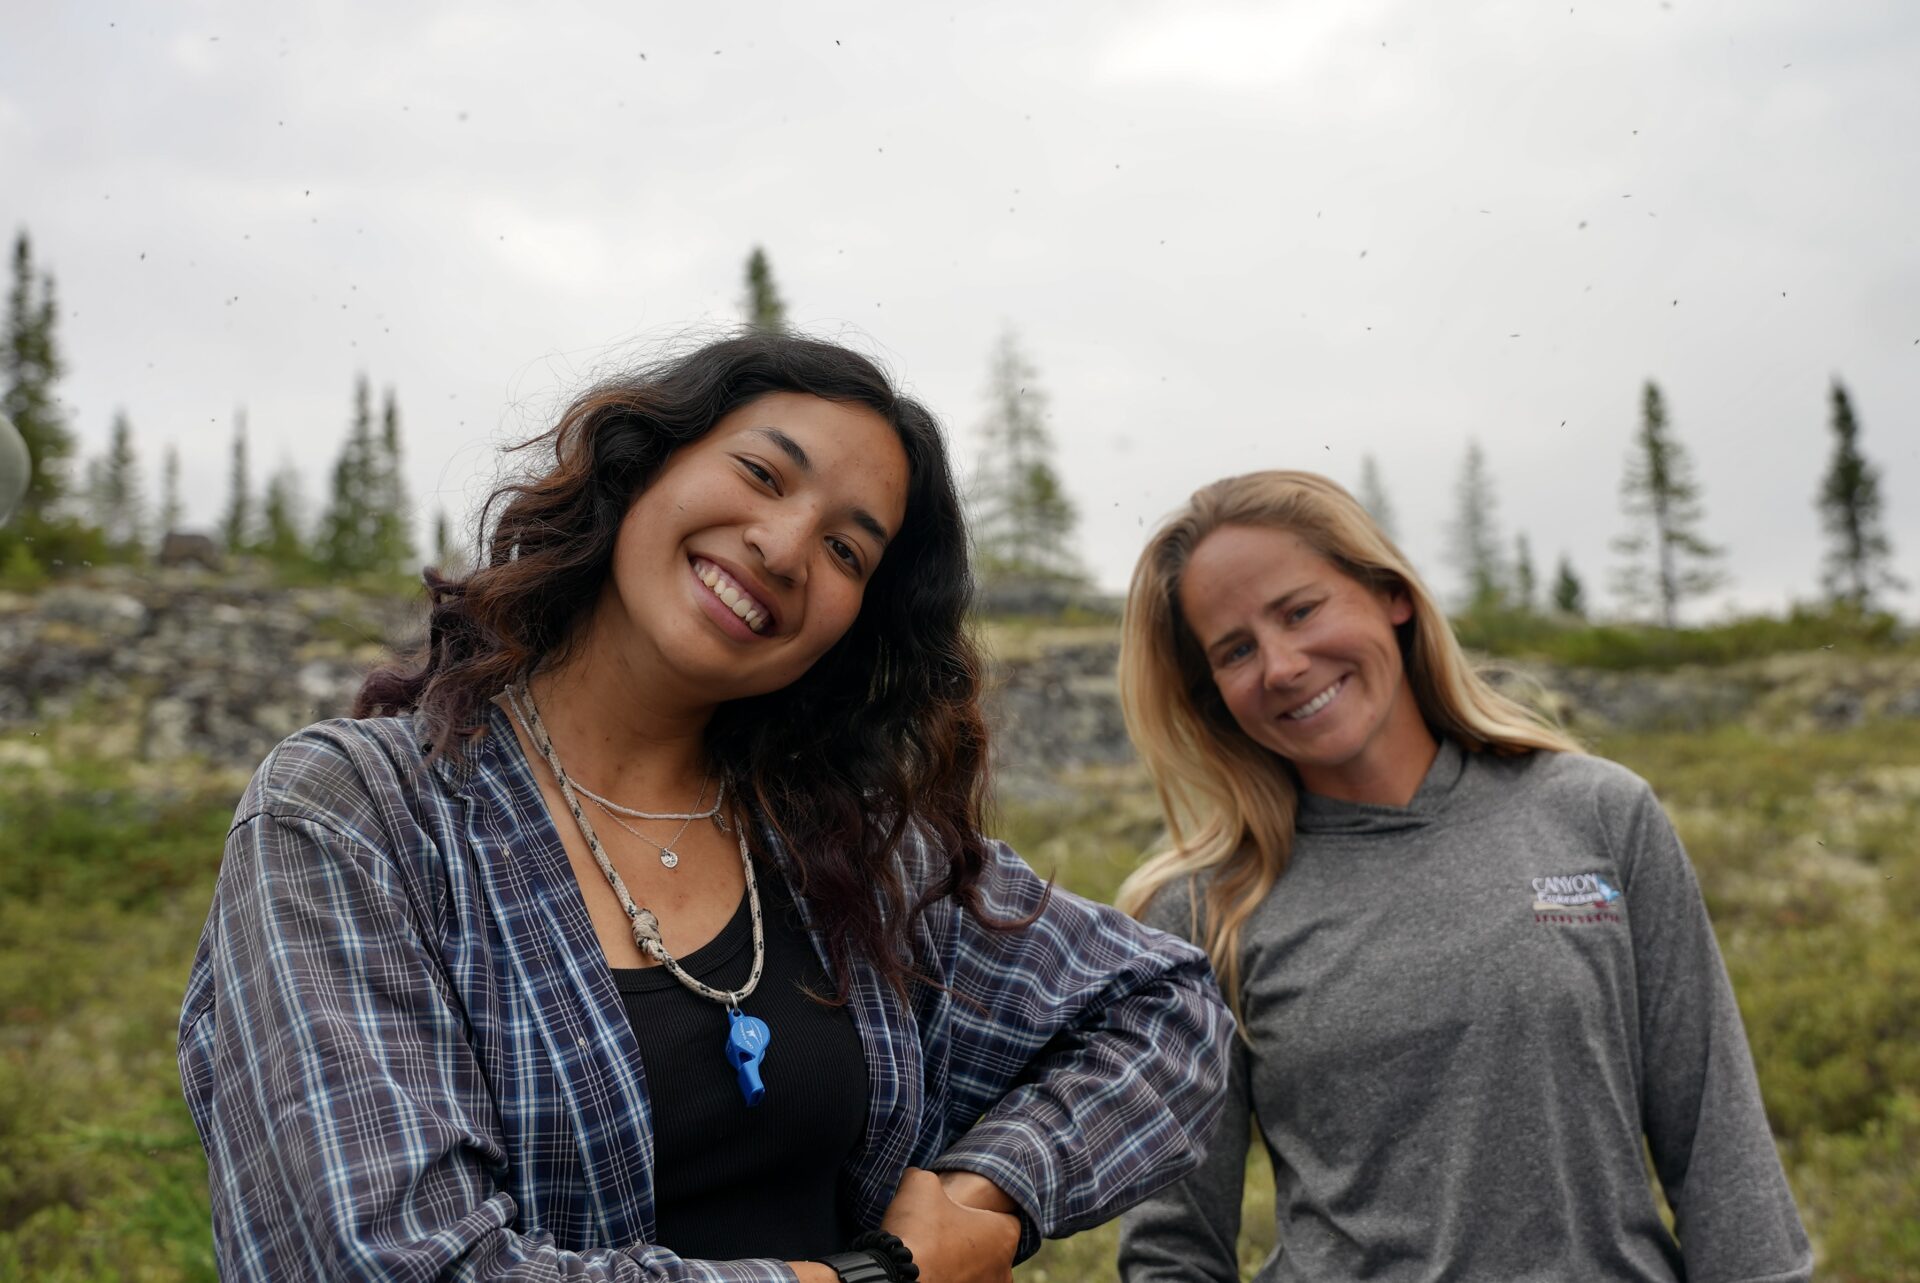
[(1805, 847)]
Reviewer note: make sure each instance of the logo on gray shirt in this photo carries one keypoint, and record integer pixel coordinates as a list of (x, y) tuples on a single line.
[(1577, 897)]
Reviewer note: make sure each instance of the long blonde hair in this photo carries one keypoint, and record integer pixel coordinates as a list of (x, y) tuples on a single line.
[(1229, 803)]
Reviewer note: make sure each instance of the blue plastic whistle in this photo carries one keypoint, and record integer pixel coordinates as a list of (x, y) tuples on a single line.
[(747, 1039)]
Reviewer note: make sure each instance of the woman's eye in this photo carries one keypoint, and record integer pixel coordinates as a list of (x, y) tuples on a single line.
[(845, 552), (1299, 613), (760, 474), (1235, 652)]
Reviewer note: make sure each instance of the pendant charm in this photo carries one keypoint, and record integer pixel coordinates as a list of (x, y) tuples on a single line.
[(669, 858), (747, 1039)]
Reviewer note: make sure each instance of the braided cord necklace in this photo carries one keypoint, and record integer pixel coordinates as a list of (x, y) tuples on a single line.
[(614, 808), (747, 1036)]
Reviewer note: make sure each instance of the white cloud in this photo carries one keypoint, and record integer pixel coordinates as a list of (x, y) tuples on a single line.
[(195, 52), (1233, 47), (567, 253)]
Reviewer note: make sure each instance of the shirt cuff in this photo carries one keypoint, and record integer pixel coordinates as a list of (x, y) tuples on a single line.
[(1014, 1181)]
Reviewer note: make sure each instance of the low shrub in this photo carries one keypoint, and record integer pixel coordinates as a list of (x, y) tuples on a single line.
[(1617, 647), (1859, 1193)]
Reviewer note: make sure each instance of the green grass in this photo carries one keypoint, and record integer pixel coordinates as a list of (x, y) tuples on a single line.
[(1579, 644), (101, 900), (1018, 637), (1804, 846), (1090, 841)]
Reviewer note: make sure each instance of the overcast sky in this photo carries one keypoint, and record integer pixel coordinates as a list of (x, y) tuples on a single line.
[(1229, 235)]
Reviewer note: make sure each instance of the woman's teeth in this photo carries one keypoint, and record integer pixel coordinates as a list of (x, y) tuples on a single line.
[(1318, 702), (733, 595)]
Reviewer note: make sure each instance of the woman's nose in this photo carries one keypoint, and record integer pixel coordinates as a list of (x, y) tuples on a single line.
[(782, 548), (1282, 664)]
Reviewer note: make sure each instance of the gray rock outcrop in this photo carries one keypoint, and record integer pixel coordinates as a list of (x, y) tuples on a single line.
[(183, 663), (177, 662)]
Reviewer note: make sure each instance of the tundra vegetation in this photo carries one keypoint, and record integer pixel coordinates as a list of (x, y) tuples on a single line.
[(1802, 832)]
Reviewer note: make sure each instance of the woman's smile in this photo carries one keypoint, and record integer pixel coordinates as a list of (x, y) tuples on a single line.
[(731, 603), (1318, 704)]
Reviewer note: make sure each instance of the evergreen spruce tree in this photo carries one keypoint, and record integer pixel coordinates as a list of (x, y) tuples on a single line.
[(170, 510), (1473, 537), (347, 531), (1524, 582), (118, 504), (1373, 497), (1859, 560), (281, 542), (30, 367), (1569, 594), (1024, 521), (1667, 559), (237, 525), (392, 537), (765, 310)]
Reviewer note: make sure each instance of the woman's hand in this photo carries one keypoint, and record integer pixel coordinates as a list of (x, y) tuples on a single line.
[(953, 1242), (971, 1189)]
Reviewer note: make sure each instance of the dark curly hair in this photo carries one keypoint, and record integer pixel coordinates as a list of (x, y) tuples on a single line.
[(882, 734)]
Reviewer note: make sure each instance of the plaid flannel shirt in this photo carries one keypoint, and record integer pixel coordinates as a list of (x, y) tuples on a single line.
[(406, 1057)]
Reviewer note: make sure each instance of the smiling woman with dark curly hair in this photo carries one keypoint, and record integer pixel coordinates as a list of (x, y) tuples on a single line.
[(641, 926)]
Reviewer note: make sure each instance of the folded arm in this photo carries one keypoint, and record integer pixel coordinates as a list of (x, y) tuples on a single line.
[(1085, 1053)]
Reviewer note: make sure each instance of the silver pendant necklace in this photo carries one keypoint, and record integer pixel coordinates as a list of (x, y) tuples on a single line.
[(747, 1036), (668, 856)]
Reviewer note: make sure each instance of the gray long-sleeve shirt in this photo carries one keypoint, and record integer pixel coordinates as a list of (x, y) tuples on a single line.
[(1463, 1016)]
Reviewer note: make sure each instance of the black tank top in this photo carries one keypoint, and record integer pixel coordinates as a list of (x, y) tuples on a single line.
[(732, 1182)]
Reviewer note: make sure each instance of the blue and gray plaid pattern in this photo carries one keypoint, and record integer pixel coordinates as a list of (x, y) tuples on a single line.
[(407, 1059)]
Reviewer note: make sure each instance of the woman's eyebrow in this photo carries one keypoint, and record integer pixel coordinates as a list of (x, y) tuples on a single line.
[(795, 451), (1280, 604), (1209, 647), (1276, 604), (789, 446)]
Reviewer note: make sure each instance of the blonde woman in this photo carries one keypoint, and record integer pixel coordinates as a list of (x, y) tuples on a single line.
[(1473, 971)]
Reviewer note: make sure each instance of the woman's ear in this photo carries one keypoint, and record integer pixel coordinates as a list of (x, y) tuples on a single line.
[(1399, 605), (1391, 592)]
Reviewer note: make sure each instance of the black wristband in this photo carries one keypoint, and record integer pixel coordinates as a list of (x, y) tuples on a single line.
[(889, 1249), (859, 1267)]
